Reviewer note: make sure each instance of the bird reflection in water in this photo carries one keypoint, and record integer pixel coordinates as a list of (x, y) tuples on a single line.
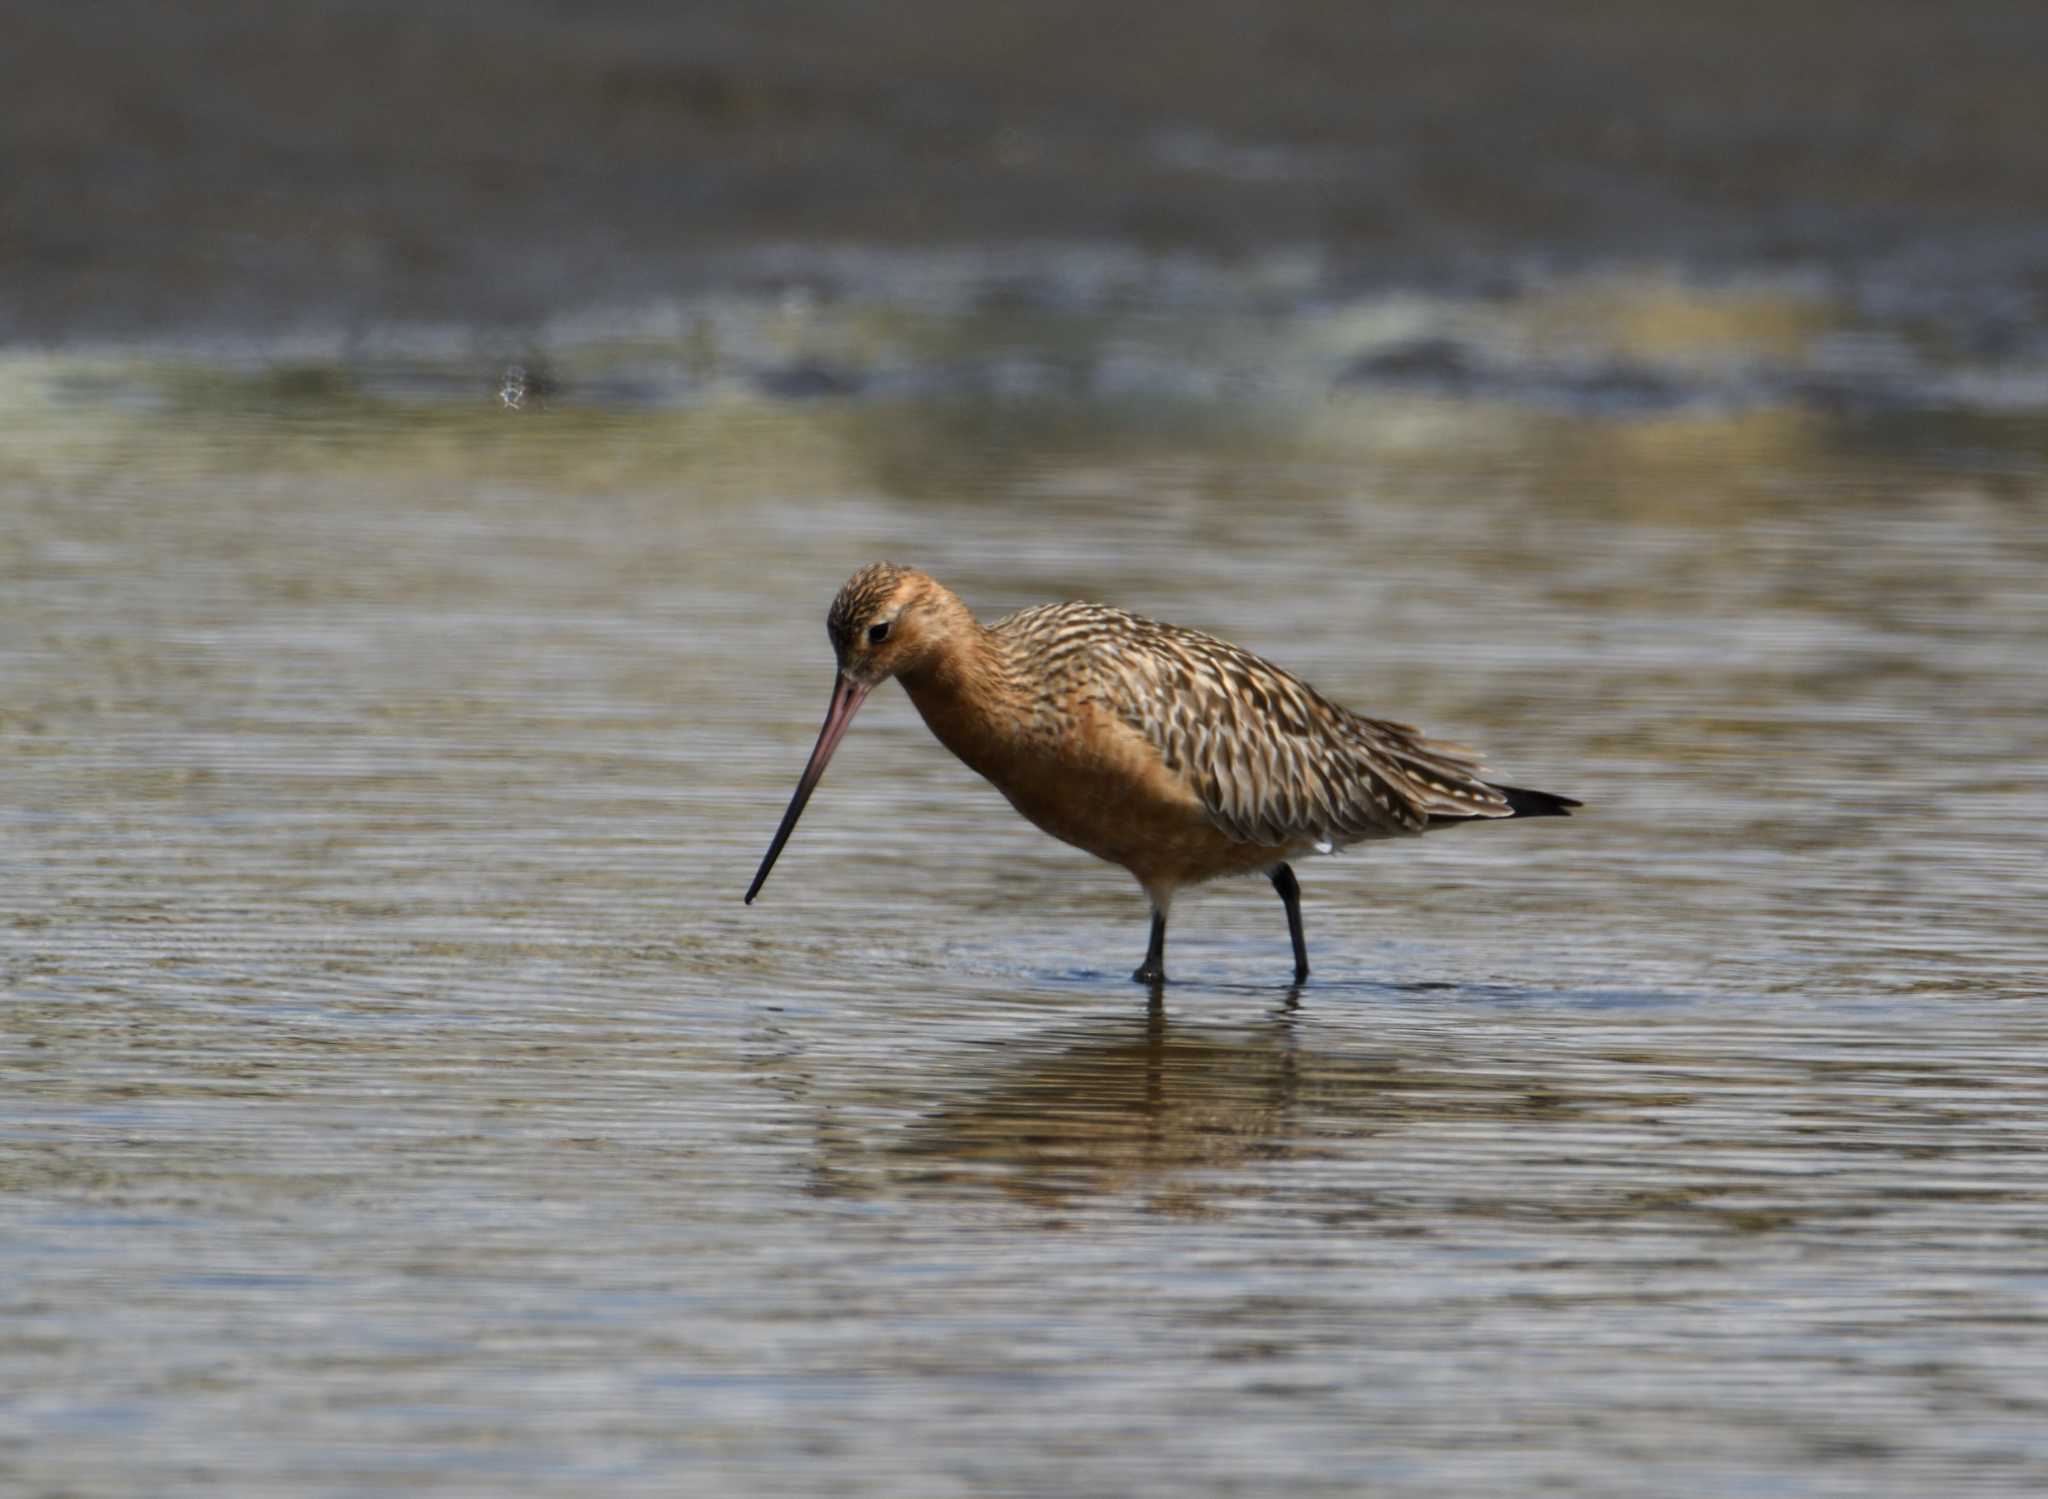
[(1134, 1105), (1171, 1111)]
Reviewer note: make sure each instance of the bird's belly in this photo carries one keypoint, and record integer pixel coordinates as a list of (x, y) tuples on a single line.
[(1104, 788), (1161, 844)]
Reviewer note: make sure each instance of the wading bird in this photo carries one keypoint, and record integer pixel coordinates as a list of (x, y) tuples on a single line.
[(1167, 751)]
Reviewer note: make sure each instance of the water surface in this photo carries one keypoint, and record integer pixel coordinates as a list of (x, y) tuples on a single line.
[(398, 1098)]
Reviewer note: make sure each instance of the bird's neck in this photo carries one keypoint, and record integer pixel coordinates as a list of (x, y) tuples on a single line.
[(966, 690)]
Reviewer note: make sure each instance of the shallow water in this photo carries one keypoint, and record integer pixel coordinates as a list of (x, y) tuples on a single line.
[(399, 1098)]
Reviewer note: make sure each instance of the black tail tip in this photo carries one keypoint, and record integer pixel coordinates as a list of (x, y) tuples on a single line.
[(1526, 803)]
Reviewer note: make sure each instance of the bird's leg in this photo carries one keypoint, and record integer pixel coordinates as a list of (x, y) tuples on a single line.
[(1153, 969), (1290, 897)]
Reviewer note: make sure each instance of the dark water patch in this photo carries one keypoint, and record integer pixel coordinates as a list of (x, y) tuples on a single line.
[(1442, 368), (807, 382)]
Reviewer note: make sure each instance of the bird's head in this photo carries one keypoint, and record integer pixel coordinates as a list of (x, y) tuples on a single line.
[(888, 621)]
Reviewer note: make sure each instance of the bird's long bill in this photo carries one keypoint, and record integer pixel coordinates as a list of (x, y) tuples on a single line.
[(847, 696)]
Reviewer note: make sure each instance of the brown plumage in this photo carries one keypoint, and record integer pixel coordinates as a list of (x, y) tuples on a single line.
[(1167, 751)]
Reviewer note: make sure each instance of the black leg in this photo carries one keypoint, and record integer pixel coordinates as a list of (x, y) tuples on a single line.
[(1290, 897), (1153, 969)]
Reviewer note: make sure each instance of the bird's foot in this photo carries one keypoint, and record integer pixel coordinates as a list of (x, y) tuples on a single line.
[(1149, 974)]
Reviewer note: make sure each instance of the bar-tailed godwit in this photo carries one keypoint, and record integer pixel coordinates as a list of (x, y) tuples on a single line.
[(1167, 751)]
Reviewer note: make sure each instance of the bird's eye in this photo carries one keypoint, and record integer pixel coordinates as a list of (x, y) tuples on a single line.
[(878, 633)]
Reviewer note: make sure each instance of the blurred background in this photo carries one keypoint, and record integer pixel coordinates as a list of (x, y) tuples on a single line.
[(320, 166), (430, 436)]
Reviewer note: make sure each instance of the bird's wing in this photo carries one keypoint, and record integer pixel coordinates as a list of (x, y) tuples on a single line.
[(1272, 760)]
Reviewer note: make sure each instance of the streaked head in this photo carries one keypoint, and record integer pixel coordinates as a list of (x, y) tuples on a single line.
[(887, 620)]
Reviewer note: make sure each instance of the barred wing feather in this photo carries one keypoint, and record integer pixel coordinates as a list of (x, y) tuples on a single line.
[(1272, 760)]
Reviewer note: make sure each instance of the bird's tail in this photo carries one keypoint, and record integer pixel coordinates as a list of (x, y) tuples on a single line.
[(1524, 803), (1521, 803)]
